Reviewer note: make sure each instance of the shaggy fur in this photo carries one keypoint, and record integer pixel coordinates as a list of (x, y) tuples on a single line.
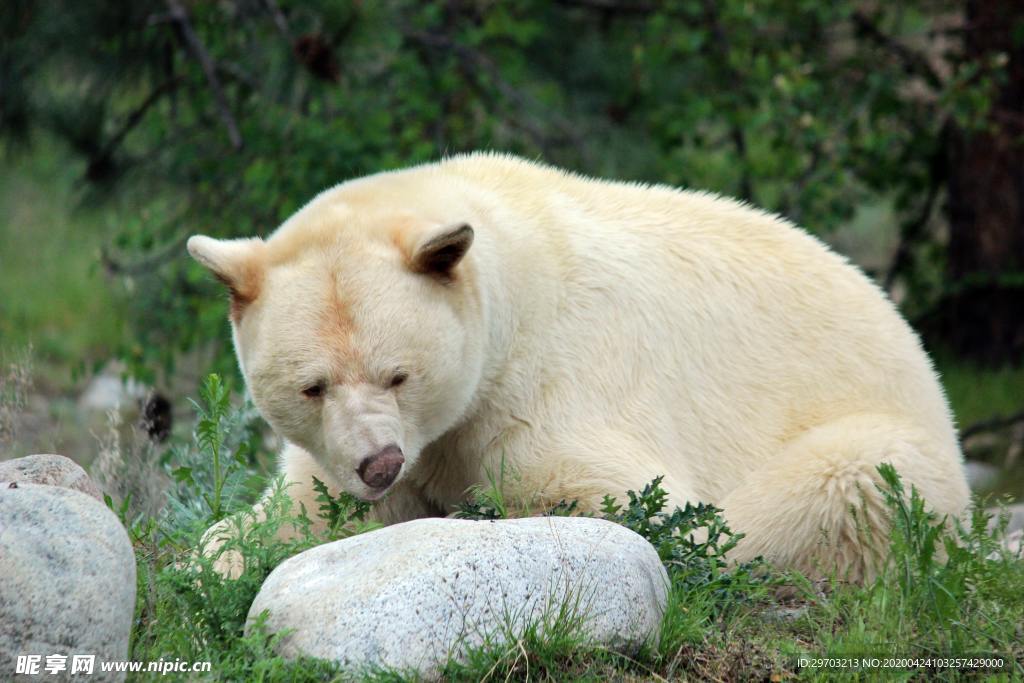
[(593, 336)]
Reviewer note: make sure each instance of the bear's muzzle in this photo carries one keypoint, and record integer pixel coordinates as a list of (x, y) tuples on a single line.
[(379, 471)]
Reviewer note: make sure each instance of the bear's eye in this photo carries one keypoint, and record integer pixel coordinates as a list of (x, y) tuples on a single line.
[(314, 391), (398, 379)]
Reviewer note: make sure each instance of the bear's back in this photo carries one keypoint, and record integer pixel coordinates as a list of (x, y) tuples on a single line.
[(719, 298)]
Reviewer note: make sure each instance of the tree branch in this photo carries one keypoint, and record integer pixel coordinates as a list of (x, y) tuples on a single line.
[(991, 425), (115, 266), (736, 132), (913, 63), (475, 62), (198, 50), (911, 231), (791, 206), (134, 118), (280, 21)]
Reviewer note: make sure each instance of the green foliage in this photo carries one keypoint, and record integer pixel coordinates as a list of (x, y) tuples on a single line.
[(339, 511), (564, 508), (187, 610), (489, 501), (56, 297), (486, 501), (809, 109), (217, 465), (197, 614), (553, 648), (977, 394), (210, 437), (692, 542)]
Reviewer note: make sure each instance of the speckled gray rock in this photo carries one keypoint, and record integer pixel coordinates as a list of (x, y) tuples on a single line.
[(68, 579), (408, 595), (51, 470)]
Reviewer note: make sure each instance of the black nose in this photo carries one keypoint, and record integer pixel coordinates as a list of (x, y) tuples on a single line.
[(379, 470)]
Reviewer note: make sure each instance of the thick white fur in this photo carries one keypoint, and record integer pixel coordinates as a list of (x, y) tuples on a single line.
[(595, 335)]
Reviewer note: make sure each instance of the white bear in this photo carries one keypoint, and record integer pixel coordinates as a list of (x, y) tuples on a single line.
[(408, 332)]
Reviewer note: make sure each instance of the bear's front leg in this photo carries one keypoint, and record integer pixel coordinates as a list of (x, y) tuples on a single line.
[(298, 468), (403, 503)]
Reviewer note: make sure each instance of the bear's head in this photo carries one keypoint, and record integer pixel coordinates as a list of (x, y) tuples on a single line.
[(359, 333)]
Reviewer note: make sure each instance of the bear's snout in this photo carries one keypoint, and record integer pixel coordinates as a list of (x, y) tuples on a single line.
[(378, 471)]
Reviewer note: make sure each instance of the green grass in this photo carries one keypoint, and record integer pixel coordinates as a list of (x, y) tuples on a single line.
[(978, 394), (55, 296), (947, 590)]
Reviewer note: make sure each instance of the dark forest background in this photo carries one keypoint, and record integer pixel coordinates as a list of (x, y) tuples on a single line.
[(895, 131)]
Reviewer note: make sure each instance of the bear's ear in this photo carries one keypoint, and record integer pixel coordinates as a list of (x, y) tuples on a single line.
[(438, 251), (236, 263)]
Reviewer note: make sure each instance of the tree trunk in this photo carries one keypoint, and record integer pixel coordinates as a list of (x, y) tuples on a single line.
[(981, 316)]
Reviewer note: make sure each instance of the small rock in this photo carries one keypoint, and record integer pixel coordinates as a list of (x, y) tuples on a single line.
[(107, 391), (1014, 542), (1014, 512), (49, 470), (409, 595), (981, 476), (1014, 539), (68, 582)]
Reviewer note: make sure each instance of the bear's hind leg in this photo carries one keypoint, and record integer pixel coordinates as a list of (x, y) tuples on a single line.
[(796, 511)]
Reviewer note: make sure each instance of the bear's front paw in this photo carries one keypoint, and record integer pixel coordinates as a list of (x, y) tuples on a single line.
[(228, 563)]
